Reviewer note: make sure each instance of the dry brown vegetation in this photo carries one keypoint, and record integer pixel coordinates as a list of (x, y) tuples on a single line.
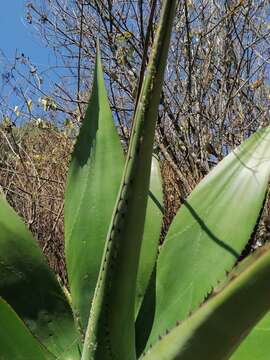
[(33, 168)]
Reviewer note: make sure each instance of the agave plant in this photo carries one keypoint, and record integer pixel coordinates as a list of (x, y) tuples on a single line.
[(128, 297)]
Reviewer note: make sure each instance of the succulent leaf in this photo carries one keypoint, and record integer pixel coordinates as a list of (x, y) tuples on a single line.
[(145, 317), (217, 328), (151, 234), (210, 231), (31, 289), (111, 330), (16, 341), (92, 186), (256, 344)]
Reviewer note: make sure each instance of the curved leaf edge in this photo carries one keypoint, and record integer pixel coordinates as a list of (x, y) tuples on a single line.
[(251, 143), (248, 279), (36, 345)]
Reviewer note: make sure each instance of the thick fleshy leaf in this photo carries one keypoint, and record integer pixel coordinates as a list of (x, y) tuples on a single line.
[(93, 183), (16, 341), (216, 329), (151, 234), (29, 286), (257, 343), (145, 318), (111, 328), (210, 231)]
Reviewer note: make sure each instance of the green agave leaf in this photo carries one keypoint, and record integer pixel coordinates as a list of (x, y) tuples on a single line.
[(92, 186), (111, 329), (210, 231), (29, 286), (151, 235), (256, 345), (216, 329), (145, 318), (16, 341)]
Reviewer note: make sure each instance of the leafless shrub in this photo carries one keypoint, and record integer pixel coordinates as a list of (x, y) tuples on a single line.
[(32, 177)]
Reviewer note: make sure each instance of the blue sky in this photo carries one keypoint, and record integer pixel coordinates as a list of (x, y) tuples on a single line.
[(18, 37), (16, 33)]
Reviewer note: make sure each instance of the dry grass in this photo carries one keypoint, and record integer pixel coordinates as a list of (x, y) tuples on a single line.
[(32, 178)]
